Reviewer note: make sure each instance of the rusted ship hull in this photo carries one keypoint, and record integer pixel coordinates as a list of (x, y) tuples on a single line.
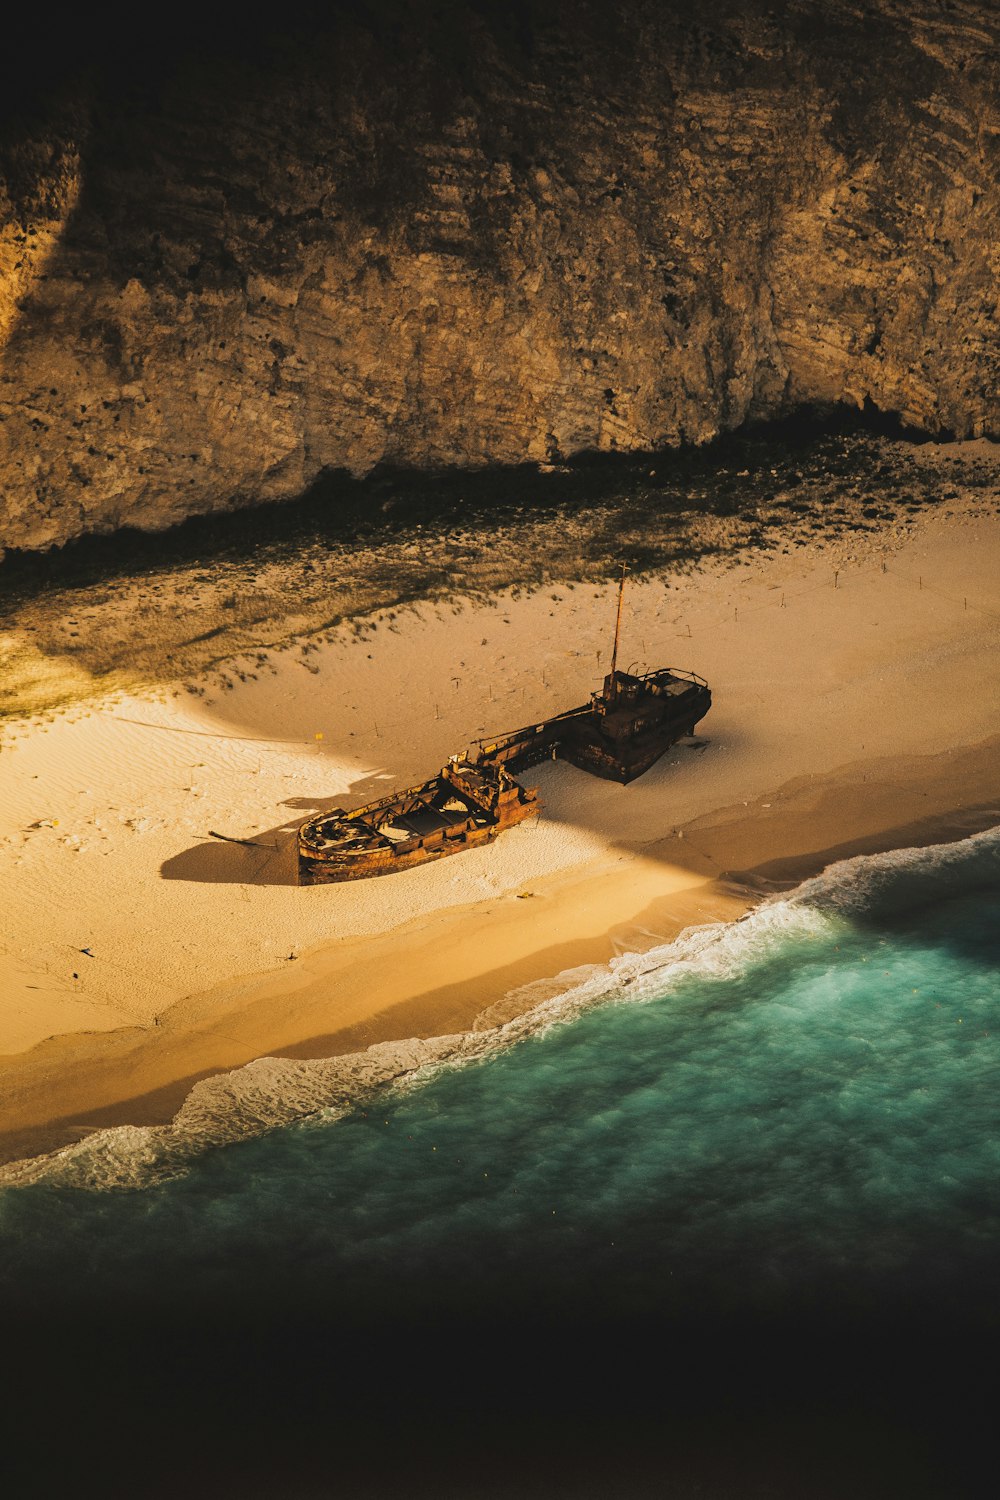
[(467, 806), (623, 740), (619, 735), (612, 764), (324, 872)]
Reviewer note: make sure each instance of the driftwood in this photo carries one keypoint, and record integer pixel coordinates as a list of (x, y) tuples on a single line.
[(247, 843)]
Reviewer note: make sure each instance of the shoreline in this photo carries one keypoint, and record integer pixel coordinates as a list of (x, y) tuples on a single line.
[(855, 709), (275, 1014)]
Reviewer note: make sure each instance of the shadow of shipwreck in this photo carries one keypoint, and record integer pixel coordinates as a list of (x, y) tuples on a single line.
[(268, 857)]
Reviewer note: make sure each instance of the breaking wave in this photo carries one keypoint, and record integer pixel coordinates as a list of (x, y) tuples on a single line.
[(271, 1093)]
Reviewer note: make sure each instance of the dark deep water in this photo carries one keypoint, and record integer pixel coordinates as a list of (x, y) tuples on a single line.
[(735, 1235)]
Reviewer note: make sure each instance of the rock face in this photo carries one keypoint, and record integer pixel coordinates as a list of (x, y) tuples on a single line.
[(472, 234)]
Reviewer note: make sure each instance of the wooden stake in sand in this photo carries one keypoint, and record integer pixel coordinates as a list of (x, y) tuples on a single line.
[(247, 843)]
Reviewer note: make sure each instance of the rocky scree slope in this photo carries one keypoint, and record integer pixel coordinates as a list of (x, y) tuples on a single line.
[(471, 234)]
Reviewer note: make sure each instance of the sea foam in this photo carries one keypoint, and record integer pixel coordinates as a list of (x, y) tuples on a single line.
[(271, 1093)]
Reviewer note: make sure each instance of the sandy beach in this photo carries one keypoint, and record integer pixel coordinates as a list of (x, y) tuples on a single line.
[(855, 708)]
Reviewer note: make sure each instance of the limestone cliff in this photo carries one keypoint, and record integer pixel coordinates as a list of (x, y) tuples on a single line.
[(470, 233)]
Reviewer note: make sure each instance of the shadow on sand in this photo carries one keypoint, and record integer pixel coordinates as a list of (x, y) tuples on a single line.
[(269, 860)]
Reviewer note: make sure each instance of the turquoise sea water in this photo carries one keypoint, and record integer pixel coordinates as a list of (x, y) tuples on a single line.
[(778, 1146)]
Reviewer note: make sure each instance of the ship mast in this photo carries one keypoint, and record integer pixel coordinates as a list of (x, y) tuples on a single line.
[(618, 623)]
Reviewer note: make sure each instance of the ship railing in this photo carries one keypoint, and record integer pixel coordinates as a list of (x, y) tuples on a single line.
[(499, 748), (684, 673)]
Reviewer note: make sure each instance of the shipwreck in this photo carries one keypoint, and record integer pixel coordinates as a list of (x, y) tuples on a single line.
[(626, 727)]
